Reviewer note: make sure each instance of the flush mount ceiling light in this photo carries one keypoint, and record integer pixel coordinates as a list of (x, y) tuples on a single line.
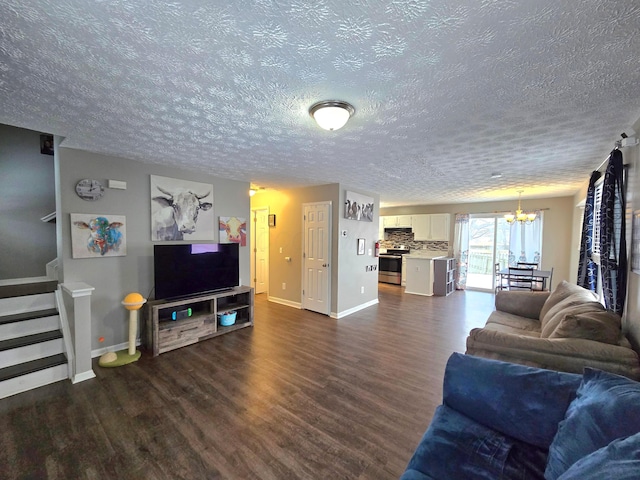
[(519, 215), (331, 114)]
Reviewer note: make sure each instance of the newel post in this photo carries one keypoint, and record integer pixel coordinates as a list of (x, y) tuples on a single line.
[(81, 329)]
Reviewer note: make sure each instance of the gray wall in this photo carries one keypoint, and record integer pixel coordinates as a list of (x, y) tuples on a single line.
[(28, 194), (115, 277)]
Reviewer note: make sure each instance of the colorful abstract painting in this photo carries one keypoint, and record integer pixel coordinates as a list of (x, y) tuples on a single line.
[(181, 210), (98, 235), (233, 230)]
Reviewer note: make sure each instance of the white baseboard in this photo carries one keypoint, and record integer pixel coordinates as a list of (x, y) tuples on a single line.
[(81, 377), (345, 313), (112, 348), (288, 303)]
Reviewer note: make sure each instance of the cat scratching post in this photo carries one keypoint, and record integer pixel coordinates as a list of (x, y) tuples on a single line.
[(132, 302)]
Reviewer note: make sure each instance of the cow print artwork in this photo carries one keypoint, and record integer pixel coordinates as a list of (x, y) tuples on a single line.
[(233, 230), (98, 235), (181, 210), (358, 207)]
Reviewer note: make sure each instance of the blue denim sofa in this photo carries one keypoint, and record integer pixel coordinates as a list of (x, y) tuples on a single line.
[(501, 420)]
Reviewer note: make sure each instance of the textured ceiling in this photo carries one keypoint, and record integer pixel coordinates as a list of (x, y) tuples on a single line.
[(446, 92)]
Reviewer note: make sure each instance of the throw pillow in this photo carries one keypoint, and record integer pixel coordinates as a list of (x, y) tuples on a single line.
[(607, 407), (561, 292), (598, 326), (620, 460), (570, 306)]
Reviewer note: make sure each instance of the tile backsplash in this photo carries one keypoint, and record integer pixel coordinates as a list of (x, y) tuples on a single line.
[(395, 239)]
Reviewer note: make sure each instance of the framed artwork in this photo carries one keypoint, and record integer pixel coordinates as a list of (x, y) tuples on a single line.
[(358, 207), (181, 210), (46, 144), (361, 246), (98, 235), (233, 230), (635, 242), (272, 220)]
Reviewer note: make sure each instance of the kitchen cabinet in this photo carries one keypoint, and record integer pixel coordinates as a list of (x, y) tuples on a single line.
[(432, 227), (397, 221), (381, 229), (403, 278)]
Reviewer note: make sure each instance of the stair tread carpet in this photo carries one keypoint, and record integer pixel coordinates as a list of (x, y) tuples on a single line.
[(32, 366), (19, 317), (29, 340)]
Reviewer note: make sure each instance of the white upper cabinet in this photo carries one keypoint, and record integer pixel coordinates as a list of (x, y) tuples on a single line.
[(397, 221), (434, 227)]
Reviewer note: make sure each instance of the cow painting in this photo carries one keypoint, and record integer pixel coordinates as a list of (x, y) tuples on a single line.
[(358, 207), (233, 230), (97, 236), (175, 210)]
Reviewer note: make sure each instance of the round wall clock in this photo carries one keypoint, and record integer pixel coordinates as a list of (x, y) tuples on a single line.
[(89, 189)]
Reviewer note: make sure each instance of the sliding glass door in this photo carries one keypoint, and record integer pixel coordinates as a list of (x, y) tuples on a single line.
[(488, 245)]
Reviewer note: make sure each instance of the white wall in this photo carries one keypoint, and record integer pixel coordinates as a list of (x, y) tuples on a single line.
[(115, 277)]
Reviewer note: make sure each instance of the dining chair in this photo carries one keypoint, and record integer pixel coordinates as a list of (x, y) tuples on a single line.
[(500, 282), (520, 278), (528, 265)]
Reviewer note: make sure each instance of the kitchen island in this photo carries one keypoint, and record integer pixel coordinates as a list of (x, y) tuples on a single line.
[(420, 272)]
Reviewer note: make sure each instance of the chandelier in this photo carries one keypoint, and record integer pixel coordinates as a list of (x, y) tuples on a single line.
[(519, 215)]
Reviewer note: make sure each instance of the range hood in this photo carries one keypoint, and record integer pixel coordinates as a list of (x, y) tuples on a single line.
[(397, 229)]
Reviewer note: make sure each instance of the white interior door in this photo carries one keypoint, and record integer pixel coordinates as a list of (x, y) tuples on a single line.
[(260, 250), (316, 257)]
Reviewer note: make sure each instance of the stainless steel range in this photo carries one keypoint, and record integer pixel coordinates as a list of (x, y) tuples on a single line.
[(390, 266)]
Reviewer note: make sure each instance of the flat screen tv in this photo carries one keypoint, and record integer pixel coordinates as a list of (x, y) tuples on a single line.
[(190, 269)]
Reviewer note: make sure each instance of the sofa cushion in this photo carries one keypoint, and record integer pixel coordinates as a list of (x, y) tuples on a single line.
[(562, 292), (598, 326), (607, 407), (507, 397), (620, 460), (455, 446), (516, 322), (572, 305)]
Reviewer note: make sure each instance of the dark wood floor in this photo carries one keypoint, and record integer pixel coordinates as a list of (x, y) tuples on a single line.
[(298, 396)]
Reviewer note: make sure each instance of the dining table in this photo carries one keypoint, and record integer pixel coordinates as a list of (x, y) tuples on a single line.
[(538, 275)]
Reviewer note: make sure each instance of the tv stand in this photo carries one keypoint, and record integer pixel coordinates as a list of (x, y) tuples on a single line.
[(161, 333)]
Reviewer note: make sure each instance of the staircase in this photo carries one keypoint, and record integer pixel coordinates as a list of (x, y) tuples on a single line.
[(32, 351)]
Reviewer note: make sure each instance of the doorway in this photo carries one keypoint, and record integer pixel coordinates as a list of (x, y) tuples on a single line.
[(316, 253), (488, 245), (259, 245)]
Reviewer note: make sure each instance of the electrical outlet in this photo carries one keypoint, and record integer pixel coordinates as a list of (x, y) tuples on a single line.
[(284, 286), (280, 249), (361, 289)]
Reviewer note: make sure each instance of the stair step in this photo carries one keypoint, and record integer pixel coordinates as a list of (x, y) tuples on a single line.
[(32, 366), (28, 303), (38, 378), (29, 340), (20, 288), (19, 317), (30, 327)]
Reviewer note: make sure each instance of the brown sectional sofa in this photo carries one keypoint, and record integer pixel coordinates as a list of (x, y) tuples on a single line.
[(566, 330)]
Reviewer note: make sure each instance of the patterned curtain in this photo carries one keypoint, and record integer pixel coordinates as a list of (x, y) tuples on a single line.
[(525, 241), (613, 246), (461, 249), (587, 270)]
